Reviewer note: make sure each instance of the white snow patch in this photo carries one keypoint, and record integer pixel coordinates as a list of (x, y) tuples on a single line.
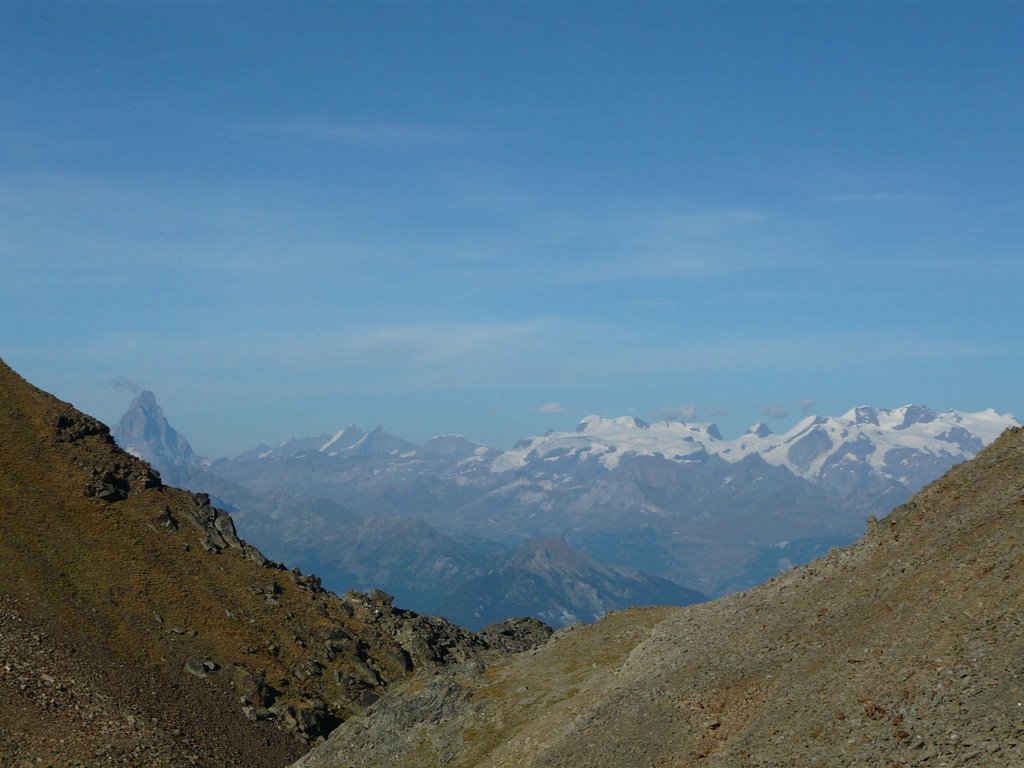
[(337, 436)]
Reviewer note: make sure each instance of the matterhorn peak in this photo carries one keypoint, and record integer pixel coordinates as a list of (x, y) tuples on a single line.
[(145, 399), (145, 432)]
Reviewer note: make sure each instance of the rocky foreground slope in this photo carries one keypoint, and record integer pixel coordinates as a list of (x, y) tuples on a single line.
[(902, 650), (136, 628)]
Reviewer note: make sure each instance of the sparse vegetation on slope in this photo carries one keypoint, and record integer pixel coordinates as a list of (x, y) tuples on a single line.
[(137, 628), (902, 650)]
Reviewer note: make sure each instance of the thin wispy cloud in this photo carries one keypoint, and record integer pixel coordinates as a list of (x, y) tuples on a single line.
[(867, 197), (231, 230), (381, 134), (550, 408), (807, 404), (336, 366), (790, 352), (124, 386), (678, 413), (697, 222), (528, 353), (609, 247), (384, 358)]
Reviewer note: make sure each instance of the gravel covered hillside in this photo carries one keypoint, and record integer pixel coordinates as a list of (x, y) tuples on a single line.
[(901, 650)]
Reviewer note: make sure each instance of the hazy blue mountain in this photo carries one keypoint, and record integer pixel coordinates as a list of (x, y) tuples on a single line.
[(671, 499), (145, 432), (559, 585), (400, 554)]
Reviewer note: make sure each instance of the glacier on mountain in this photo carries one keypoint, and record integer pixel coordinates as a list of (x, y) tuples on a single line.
[(891, 443)]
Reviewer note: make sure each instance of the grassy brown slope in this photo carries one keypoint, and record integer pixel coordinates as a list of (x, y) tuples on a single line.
[(111, 582), (904, 649)]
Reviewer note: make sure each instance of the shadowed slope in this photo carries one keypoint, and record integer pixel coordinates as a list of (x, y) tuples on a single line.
[(903, 649), (549, 579)]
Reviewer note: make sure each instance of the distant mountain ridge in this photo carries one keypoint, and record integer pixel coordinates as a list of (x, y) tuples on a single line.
[(559, 585), (674, 500), (288, 513), (910, 445), (898, 450), (351, 440)]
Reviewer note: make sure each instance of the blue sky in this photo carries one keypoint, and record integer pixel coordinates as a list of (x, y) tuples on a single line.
[(497, 218)]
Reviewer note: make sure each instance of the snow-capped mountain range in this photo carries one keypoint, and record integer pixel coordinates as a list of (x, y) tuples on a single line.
[(675, 500), (908, 446), (351, 441), (904, 445)]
